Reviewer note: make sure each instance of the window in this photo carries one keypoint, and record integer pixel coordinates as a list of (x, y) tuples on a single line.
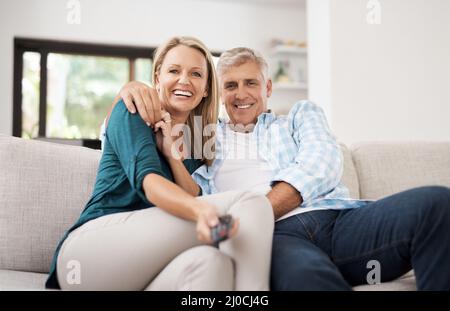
[(30, 94), (80, 90), (63, 90)]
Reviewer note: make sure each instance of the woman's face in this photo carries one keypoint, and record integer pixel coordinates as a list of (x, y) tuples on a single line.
[(182, 79)]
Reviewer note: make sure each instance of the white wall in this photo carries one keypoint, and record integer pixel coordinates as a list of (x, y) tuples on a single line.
[(220, 24), (389, 81), (318, 34)]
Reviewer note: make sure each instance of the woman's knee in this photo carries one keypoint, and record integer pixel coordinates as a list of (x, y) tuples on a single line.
[(207, 268), (259, 202), (211, 258), (198, 268)]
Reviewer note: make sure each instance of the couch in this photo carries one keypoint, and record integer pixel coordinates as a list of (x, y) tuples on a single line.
[(44, 186)]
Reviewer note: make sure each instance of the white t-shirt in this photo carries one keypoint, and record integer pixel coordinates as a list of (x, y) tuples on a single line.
[(242, 167)]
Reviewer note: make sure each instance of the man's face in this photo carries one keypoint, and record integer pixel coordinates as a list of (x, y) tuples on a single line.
[(244, 92)]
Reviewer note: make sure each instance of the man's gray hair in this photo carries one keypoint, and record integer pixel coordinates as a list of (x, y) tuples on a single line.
[(239, 56)]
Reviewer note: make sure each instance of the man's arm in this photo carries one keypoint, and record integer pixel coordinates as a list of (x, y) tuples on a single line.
[(136, 96), (317, 166), (141, 97), (284, 198)]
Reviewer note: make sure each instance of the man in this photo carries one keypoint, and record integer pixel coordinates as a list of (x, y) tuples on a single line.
[(323, 240)]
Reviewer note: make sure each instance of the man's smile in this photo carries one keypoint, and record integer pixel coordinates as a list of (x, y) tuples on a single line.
[(243, 106)]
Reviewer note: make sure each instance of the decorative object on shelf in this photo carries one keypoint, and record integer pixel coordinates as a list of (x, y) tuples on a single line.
[(293, 43), (288, 49), (281, 75), (288, 63)]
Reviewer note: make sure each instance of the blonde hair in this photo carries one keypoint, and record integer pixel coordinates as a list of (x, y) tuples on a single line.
[(208, 108), (239, 56)]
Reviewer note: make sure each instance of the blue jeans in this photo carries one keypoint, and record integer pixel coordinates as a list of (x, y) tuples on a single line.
[(330, 249)]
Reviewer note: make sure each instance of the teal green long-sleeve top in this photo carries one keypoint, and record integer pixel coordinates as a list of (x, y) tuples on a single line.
[(129, 154)]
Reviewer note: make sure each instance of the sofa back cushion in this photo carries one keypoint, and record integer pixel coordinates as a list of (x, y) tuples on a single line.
[(349, 176), (387, 168), (43, 189)]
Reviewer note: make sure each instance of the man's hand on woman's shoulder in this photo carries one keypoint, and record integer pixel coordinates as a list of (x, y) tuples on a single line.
[(142, 98)]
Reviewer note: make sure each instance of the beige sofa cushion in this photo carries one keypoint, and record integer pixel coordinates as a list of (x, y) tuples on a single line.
[(405, 283), (387, 168), (43, 189), (349, 176), (21, 281)]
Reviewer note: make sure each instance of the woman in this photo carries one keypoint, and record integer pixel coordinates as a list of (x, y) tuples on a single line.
[(143, 211)]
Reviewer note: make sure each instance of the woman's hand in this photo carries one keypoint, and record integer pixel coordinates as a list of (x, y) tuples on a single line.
[(208, 218), (164, 138)]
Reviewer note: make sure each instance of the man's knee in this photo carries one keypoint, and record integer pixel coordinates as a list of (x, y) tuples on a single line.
[(438, 194), (441, 194), (435, 201), (441, 204)]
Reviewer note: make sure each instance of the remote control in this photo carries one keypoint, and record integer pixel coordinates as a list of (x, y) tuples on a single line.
[(221, 230)]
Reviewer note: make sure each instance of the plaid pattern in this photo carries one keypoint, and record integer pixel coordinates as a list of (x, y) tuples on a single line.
[(300, 150)]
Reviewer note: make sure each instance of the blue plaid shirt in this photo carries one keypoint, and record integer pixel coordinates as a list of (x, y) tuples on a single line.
[(300, 150)]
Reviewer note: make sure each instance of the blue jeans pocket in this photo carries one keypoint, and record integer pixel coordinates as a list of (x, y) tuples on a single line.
[(310, 226)]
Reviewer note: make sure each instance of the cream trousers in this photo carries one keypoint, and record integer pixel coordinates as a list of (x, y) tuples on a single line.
[(138, 250)]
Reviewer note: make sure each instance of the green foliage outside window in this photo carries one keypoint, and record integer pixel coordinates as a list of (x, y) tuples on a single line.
[(80, 92)]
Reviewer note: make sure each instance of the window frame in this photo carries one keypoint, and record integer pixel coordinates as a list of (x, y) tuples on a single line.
[(44, 47)]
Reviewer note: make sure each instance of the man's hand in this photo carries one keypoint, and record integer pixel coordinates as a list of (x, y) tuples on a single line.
[(143, 98), (284, 198)]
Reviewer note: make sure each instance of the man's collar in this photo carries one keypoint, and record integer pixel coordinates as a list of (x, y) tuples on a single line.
[(264, 118)]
